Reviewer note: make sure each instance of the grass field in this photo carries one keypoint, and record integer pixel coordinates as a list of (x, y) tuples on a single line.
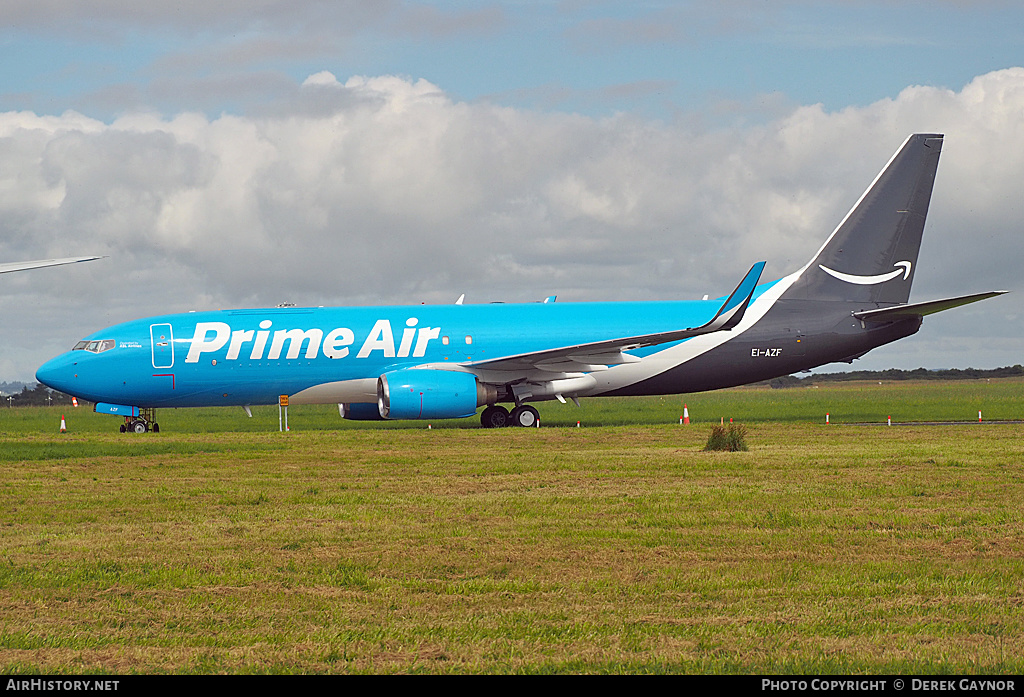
[(221, 545)]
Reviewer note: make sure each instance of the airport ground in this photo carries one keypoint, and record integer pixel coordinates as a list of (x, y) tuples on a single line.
[(223, 545)]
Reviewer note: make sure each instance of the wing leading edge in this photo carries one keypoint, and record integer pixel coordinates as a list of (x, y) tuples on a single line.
[(599, 354)]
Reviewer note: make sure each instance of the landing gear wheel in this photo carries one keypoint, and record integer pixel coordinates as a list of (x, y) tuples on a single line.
[(124, 429), (525, 416), (139, 426), (156, 428), (494, 416)]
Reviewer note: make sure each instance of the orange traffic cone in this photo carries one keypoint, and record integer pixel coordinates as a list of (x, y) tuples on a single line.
[(74, 401), (63, 425), (686, 415)]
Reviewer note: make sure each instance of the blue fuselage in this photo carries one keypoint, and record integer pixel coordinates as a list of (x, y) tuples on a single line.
[(239, 357)]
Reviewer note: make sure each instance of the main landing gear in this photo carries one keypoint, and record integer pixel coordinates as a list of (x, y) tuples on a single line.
[(496, 416), (145, 421)]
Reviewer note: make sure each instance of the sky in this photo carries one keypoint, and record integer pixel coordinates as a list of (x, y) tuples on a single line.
[(247, 153)]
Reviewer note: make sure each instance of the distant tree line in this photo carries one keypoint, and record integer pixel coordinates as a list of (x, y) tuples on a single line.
[(894, 374), (37, 396)]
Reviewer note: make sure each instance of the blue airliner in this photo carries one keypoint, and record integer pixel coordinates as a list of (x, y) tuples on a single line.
[(446, 361)]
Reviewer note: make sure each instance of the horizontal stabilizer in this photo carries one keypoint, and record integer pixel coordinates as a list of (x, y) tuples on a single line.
[(727, 317), (893, 314)]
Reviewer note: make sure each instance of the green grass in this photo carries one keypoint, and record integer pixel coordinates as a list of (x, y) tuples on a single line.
[(614, 548)]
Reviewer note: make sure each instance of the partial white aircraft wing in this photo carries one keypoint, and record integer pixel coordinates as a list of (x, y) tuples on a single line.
[(22, 265)]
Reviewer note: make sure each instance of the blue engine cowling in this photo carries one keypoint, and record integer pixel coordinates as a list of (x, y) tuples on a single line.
[(431, 394)]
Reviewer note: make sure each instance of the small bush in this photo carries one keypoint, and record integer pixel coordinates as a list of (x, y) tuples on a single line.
[(731, 438)]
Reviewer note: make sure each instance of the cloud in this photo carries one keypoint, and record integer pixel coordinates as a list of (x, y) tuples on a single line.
[(189, 16), (683, 23), (429, 21), (607, 97), (387, 190), (294, 19)]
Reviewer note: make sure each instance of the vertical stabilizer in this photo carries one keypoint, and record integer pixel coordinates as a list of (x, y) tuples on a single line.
[(872, 255)]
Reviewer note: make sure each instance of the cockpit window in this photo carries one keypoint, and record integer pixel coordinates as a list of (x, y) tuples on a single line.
[(94, 346)]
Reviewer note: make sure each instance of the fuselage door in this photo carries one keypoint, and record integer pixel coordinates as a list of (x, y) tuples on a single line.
[(163, 345)]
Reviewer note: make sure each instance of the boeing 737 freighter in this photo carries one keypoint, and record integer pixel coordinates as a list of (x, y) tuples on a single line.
[(446, 361)]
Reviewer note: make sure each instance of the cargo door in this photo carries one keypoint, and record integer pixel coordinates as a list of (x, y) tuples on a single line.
[(163, 345)]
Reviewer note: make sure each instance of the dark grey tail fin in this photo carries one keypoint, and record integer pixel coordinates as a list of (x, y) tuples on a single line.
[(872, 255)]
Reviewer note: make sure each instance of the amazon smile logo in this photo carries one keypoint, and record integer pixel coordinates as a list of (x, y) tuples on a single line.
[(870, 280)]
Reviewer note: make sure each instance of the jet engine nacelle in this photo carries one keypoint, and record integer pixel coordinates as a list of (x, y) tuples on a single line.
[(431, 394)]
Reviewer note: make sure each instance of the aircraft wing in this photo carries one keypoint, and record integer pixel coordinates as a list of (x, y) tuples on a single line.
[(599, 354), (23, 265), (892, 314)]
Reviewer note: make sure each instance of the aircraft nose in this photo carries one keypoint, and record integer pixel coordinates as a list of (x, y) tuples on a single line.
[(59, 373)]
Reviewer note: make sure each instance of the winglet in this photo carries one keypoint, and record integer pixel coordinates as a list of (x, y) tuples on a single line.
[(731, 312)]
